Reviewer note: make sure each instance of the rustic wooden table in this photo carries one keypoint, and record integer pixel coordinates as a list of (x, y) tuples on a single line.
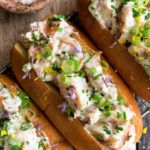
[(12, 25)]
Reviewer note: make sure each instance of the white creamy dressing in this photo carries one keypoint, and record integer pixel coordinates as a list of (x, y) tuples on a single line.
[(27, 138), (26, 2), (77, 91)]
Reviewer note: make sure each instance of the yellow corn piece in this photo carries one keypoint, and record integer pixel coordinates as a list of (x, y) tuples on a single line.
[(13, 94), (122, 41), (145, 130), (49, 70), (138, 19), (135, 38), (141, 58), (3, 132), (134, 51), (38, 56)]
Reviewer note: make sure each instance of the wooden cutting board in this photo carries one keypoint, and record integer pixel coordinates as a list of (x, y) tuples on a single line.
[(12, 25)]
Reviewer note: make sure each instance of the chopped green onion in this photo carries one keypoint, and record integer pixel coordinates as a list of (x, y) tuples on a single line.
[(147, 16), (135, 40), (104, 65), (25, 126), (147, 43), (98, 137), (65, 79), (105, 128), (25, 101), (97, 76), (59, 29), (70, 66), (15, 147), (93, 70), (41, 145), (46, 52), (135, 30), (96, 97), (69, 111), (147, 69), (55, 18), (118, 128), (119, 115), (124, 116), (107, 105), (106, 114), (120, 100), (82, 74), (88, 59), (56, 67)]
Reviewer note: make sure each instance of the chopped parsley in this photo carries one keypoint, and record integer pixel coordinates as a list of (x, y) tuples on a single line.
[(25, 101)]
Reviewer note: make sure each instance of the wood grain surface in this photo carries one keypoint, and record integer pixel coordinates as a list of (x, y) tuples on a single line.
[(12, 25)]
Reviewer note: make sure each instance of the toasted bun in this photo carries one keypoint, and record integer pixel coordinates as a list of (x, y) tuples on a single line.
[(53, 135), (118, 56), (48, 99)]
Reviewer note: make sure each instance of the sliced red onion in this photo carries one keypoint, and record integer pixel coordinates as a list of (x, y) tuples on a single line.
[(71, 95), (75, 49), (91, 108), (25, 75), (107, 79), (142, 54), (4, 114), (39, 127), (63, 106), (113, 44), (54, 145)]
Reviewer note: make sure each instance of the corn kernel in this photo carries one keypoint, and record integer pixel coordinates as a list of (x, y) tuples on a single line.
[(38, 56), (141, 58), (145, 130), (122, 41), (3, 132), (138, 19)]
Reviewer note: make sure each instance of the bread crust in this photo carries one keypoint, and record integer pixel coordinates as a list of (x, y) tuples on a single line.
[(131, 72), (48, 99), (47, 128)]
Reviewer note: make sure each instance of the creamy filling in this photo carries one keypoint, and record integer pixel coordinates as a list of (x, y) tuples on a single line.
[(16, 129), (91, 96), (129, 19)]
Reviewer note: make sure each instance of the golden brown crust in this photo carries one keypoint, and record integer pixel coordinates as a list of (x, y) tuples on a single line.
[(49, 101), (39, 119), (118, 56)]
